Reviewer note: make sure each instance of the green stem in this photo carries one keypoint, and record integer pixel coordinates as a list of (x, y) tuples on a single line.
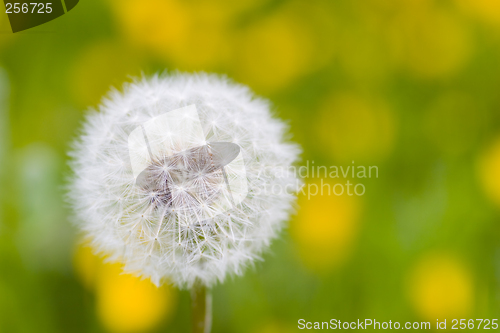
[(201, 308)]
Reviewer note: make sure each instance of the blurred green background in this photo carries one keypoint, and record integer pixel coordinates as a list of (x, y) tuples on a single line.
[(410, 86)]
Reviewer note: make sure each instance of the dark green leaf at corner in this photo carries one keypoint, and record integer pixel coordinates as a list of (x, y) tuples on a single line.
[(26, 14), (70, 4)]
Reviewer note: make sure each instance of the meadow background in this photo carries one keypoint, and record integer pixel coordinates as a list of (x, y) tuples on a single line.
[(410, 86)]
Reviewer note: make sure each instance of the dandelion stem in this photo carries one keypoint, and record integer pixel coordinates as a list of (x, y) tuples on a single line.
[(201, 308)]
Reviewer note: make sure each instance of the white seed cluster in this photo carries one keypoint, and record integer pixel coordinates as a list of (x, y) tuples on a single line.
[(169, 178)]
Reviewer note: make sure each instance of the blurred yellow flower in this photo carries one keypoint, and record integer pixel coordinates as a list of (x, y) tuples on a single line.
[(191, 36), (489, 171), (441, 287), (274, 52), (125, 303), (355, 128), (429, 42), (98, 67), (487, 10), (158, 25), (325, 228)]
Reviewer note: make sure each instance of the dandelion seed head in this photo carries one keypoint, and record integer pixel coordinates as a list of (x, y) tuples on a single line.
[(168, 178)]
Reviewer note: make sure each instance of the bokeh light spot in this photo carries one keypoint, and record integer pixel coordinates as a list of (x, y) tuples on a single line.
[(486, 10), (273, 52), (126, 303), (325, 229), (430, 43), (158, 25), (441, 287)]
